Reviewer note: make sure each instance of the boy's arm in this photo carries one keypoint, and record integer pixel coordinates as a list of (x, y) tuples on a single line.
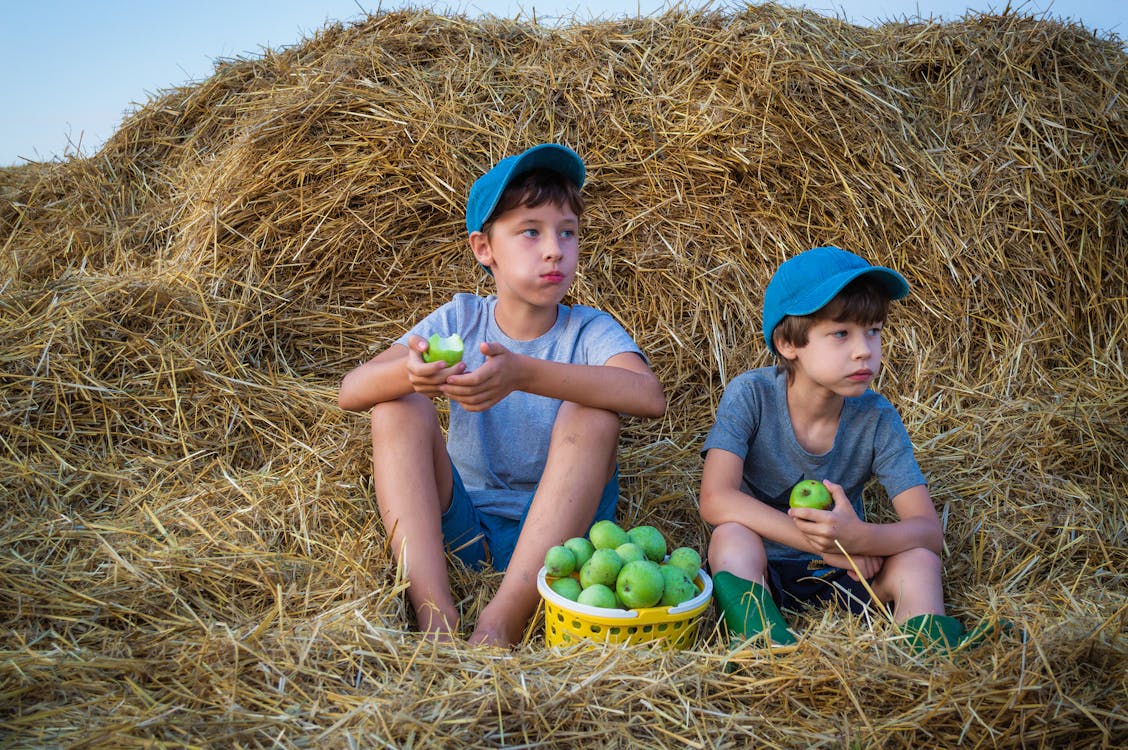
[(722, 501), (394, 373), (917, 525), (624, 384)]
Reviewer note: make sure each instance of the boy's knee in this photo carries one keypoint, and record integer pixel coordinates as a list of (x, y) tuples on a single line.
[(732, 544), (392, 418), (919, 558), (918, 564), (587, 425)]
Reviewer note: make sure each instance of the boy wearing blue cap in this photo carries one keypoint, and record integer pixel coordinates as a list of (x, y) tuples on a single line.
[(815, 417), (530, 454)]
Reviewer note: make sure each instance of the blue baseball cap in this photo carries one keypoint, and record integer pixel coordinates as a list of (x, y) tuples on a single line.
[(487, 189), (807, 282)]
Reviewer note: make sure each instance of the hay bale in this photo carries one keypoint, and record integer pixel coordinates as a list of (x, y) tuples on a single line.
[(190, 553)]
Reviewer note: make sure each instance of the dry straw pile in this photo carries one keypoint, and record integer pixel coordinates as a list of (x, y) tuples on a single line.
[(189, 549)]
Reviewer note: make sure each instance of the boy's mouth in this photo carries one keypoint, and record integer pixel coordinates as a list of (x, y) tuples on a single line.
[(554, 277), (860, 376)]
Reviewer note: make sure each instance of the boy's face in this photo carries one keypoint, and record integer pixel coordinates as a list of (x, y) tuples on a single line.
[(532, 253), (839, 356)]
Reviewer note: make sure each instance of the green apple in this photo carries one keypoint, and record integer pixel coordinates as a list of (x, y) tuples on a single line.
[(677, 587), (640, 584), (810, 494), (446, 348), (651, 540), (598, 595), (602, 567), (630, 552), (607, 535), (688, 559), (559, 561), (567, 587), (581, 548)]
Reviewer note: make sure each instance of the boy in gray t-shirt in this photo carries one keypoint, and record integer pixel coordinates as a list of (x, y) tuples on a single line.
[(814, 417), (534, 405)]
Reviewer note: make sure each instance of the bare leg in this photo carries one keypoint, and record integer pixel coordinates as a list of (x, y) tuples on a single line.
[(412, 477), (912, 581), (581, 460), (740, 551)]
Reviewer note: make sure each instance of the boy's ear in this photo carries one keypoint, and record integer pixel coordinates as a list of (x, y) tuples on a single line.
[(786, 349), (480, 245)]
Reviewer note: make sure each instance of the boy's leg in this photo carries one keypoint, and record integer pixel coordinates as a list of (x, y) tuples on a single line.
[(412, 477), (912, 581), (581, 460), (739, 564)]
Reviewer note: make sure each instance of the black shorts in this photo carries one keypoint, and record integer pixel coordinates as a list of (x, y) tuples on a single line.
[(796, 584)]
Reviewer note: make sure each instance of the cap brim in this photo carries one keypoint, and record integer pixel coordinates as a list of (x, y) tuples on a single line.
[(820, 294), (550, 156)]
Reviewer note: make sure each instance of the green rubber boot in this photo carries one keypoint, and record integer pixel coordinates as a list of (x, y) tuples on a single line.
[(987, 629), (929, 633), (748, 610)]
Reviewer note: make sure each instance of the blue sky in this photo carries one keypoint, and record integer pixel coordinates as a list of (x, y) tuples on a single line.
[(74, 68)]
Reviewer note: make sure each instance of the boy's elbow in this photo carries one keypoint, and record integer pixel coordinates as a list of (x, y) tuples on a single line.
[(347, 396), (655, 404), (707, 507), (344, 402)]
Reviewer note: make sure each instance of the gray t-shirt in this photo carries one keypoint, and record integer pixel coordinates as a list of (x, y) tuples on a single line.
[(500, 453), (753, 422)]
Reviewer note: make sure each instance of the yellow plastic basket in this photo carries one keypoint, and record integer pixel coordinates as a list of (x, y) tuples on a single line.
[(567, 622)]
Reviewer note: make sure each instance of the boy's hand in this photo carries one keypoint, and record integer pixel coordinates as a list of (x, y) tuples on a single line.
[(495, 379), (427, 377), (868, 565), (827, 529)]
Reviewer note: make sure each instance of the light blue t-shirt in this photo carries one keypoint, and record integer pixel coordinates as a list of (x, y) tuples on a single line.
[(501, 452), (753, 422)]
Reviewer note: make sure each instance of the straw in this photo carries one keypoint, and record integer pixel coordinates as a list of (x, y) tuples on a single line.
[(191, 554)]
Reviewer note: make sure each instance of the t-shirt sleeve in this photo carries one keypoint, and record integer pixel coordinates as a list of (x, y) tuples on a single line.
[(443, 321), (603, 338), (737, 419), (894, 462)]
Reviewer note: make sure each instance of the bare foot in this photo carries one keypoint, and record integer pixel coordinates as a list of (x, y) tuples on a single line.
[(436, 626), (496, 633)]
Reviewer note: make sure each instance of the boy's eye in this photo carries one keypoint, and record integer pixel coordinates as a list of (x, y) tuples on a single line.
[(530, 232), (568, 234)]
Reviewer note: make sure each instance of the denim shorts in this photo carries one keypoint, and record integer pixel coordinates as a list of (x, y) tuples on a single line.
[(479, 539), (794, 585)]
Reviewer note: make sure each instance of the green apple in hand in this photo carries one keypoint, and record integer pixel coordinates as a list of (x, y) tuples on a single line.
[(445, 348), (811, 494)]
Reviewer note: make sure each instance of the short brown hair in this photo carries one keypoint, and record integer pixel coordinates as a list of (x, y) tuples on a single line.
[(535, 188), (863, 301)]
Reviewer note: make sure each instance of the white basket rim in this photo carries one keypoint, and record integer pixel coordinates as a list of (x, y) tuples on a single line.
[(623, 614)]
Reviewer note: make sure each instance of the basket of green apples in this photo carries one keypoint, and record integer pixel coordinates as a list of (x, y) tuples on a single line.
[(621, 586)]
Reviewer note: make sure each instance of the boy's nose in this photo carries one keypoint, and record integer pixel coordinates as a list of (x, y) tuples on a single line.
[(863, 348), (552, 248)]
